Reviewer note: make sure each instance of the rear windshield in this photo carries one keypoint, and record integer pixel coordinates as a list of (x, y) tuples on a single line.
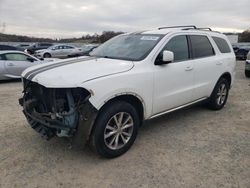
[(222, 45)]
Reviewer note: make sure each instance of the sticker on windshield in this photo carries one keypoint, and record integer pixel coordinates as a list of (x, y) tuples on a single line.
[(149, 38)]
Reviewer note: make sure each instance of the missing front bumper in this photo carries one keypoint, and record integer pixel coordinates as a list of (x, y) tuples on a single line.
[(61, 112)]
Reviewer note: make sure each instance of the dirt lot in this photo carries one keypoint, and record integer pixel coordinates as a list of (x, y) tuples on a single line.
[(194, 147)]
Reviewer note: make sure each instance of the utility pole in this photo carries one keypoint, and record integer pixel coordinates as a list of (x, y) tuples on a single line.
[(2, 27)]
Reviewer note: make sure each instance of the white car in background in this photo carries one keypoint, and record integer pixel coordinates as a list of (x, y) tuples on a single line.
[(59, 51), (13, 63)]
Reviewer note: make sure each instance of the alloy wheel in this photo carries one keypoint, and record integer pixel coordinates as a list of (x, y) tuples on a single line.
[(221, 94), (118, 130)]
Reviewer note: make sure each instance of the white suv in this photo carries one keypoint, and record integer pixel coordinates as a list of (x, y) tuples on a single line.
[(104, 98)]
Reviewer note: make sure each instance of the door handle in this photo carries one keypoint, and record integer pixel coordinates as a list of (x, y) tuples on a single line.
[(219, 63), (10, 64), (189, 68)]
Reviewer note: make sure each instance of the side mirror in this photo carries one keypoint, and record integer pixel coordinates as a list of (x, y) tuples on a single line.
[(30, 59), (167, 57)]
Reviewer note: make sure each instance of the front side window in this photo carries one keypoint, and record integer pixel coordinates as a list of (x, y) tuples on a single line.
[(16, 57), (134, 47), (201, 46), (222, 44), (179, 46)]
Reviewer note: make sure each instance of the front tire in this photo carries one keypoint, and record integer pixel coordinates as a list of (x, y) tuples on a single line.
[(47, 55), (115, 129), (219, 95)]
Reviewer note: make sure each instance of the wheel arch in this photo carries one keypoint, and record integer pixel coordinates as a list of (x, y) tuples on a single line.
[(227, 76), (47, 53), (131, 98)]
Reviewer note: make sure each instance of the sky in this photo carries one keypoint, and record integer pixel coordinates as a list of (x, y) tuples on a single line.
[(73, 18)]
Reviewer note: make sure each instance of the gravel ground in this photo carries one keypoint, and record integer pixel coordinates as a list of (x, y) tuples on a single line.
[(194, 147)]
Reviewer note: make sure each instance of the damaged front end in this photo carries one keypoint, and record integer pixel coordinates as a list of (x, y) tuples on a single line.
[(58, 111)]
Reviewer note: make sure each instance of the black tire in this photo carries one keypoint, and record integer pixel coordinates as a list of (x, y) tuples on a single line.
[(214, 102), (247, 73), (47, 55), (99, 143)]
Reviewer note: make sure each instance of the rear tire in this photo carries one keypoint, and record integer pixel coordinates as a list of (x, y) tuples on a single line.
[(247, 73), (47, 55), (115, 130), (219, 95)]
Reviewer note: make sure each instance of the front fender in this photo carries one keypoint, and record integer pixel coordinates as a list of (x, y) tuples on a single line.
[(104, 89)]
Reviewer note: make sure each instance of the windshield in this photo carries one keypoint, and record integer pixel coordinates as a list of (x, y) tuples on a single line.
[(134, 47)]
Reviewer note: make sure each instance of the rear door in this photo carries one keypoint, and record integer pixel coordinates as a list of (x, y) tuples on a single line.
[(16, 63), (70, 50), (57, 51), (207, 65)]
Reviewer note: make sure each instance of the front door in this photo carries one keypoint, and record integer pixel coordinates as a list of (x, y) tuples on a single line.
[(16, 63), (174, 82)]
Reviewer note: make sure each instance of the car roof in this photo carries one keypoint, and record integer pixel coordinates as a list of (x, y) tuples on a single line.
[(6, 45), (62, 45), (11, 51)]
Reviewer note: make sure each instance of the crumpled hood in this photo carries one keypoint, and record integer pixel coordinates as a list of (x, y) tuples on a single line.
[(73, 72)]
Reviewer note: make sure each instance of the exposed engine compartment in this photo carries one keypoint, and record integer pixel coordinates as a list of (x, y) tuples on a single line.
[(53, 111)]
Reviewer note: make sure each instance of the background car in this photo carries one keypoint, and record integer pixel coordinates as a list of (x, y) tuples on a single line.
[(242, 52), (86, 49), (8, 47), (22, 46), (59, 51), (247, 67), (37, 46), (13, 63)]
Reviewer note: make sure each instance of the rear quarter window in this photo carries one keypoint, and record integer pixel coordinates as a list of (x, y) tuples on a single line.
[(222, 44), (201, 46)]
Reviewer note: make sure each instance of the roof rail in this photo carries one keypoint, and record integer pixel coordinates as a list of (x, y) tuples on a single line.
[(199, 28), (179, 26), (202, 28), (205, 28)]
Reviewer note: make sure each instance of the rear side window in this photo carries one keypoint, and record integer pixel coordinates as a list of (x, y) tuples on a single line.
[(222, 45), (201, 46), (179, 46)]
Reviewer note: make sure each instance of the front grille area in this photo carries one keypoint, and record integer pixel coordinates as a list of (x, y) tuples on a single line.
[(52, 111)]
